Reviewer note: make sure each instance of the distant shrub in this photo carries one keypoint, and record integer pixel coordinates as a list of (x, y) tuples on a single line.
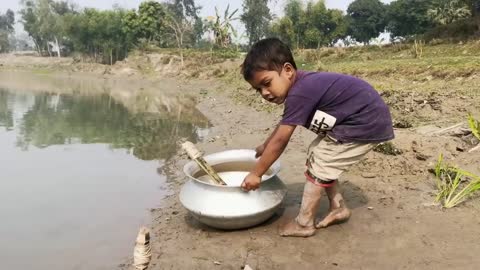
[(226, 53), (459, 30)]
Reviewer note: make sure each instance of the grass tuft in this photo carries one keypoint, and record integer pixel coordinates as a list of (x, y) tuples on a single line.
[(474, 126), (454, 184)]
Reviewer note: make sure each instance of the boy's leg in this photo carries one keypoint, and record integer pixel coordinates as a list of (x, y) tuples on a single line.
[(327, 160), (338, 212), (303, 224)]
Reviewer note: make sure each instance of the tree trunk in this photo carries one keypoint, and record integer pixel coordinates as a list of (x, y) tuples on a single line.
[(58, 47), (48, 49), (476, 15), (111, 57), (37, 47), (180, 45)]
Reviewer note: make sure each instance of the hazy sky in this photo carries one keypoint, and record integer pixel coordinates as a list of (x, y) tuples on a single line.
[(208, 6)]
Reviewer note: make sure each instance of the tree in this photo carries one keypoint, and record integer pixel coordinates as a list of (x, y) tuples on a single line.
[(223, 28), (43, 21), (408, 17), (337, 26), (179, 25), (256, 17), (294, 11), (284, 30), (100, 34), (311, 26), (31, 24), (148, 23), (367, 19), (316, 23), (476, 12), (183, 22), (7, 22), (448, 11)]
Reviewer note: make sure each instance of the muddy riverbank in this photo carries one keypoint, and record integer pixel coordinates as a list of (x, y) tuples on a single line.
[(395, 223)]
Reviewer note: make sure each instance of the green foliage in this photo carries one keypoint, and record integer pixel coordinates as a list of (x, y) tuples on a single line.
[(6, 114), (222, 28), (7, 22), (367, 19), (256, 17), (337, 26), (448, 11), (99, 34), (107, 35), (387, 148), (408, 17), (44, 21), (474, 126), (458, 30), (315, 21), (454, 185), (148, 23), (310, 26), (283, 29)]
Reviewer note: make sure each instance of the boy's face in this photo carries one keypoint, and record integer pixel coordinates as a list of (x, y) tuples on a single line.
[(272, 85)]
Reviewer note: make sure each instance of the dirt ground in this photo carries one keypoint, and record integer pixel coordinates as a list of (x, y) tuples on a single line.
[(395, 223)]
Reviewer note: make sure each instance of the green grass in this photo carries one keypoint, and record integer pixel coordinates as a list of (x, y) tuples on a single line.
[(474, 126), (439, 61), (454, 185)]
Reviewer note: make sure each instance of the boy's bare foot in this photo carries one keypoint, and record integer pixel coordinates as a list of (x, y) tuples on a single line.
[(293, 229), (335, 216)]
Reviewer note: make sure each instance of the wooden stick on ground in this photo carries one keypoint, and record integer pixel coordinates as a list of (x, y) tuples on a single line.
[(196, 155), (442, 131), (474, 149)]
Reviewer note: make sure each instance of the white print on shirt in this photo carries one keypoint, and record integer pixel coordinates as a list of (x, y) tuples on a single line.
[(322, 122)]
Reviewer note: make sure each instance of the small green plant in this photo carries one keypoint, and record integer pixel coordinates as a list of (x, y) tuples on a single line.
[(474, 126), (387, 148), (454, 185)]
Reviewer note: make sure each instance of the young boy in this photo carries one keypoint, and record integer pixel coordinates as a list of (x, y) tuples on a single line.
[(348, 115)]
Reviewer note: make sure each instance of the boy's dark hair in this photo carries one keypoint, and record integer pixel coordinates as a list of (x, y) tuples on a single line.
[(267, 54)]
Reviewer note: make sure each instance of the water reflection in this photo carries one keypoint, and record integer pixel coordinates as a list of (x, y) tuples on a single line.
[(78, 172), (53, 119), (6, 115)]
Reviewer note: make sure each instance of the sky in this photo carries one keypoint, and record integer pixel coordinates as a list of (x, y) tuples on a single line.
[(208, 6)]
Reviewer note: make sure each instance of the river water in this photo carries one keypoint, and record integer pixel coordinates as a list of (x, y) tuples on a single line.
[(78, 175)]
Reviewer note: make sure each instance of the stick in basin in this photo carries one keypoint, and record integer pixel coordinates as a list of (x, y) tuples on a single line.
[(196, 155)]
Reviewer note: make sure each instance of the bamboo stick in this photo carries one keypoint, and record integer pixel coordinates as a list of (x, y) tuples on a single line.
[(196, 156)]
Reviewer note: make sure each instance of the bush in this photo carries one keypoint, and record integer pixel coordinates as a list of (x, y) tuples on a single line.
[(459, 30)]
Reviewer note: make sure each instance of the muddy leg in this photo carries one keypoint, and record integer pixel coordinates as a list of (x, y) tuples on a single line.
[(303, 224), (338, 212)]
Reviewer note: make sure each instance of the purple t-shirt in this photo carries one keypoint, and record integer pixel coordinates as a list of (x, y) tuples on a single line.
[(346, 108)]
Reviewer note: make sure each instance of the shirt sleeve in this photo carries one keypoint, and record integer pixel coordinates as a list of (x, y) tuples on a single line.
[(298, 110)]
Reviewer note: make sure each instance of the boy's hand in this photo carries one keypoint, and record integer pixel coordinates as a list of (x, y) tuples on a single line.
[(251, 182), (259, 150)]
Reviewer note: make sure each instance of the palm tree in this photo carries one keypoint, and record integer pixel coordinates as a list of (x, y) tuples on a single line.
[(448, 11)]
